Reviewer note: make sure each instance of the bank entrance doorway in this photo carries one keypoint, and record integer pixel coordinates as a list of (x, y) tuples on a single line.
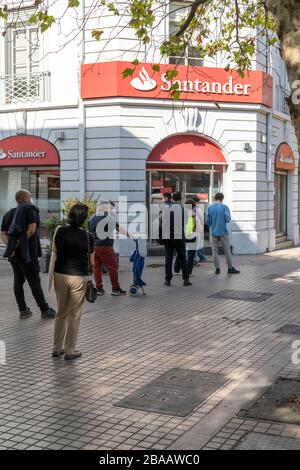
[(189, 163), (284, 167), (204, 183), (281, 204)]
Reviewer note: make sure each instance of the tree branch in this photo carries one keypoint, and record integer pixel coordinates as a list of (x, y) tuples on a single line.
[(195, 5)]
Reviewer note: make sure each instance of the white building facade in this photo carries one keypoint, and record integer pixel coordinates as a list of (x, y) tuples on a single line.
[(112, 137)]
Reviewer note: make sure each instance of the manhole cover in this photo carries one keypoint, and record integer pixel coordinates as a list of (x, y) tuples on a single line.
[(175, 393), (293, 330), (245, 295), (186, 379), (162, 400), (280, 402), (258, 441)]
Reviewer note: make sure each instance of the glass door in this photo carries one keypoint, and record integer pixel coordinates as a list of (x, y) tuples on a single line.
[(200, 184), (281, 204), (203, 184)]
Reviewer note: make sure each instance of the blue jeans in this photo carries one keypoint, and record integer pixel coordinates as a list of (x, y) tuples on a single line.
[(201, 255)]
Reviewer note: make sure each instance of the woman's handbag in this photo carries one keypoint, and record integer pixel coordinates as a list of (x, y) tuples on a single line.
[(52, 260), (91, 291)]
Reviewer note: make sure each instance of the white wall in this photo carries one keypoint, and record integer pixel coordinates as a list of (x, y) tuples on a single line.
[(119, 140)]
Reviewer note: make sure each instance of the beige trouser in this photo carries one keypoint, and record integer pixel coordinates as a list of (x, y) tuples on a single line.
[(225, 242), (70, 294)]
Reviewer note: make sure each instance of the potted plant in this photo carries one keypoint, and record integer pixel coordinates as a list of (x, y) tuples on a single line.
[(89, 200)]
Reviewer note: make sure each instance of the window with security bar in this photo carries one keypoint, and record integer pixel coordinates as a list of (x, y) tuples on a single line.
[(23, 81), (190, 55)]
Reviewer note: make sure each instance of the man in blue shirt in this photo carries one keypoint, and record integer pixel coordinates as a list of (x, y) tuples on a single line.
[(217, 217)]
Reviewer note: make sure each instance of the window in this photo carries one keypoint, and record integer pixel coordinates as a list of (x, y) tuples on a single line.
[(23, 82), (190, 55), (44, 185)]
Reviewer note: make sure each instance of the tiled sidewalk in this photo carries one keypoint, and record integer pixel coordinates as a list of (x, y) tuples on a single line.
[(127, 342)]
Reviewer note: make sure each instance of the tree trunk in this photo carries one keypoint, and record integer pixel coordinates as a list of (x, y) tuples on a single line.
[(287, 15)]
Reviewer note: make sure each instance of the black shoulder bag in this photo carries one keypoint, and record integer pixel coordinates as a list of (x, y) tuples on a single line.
[(91, 291)]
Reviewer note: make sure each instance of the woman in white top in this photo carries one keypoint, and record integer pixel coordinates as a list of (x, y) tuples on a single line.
[(200, 253), (193, 232)]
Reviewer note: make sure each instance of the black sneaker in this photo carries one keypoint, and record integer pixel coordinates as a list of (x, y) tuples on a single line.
[(75, 355), (218, 271), (117, 292), (100, 291), (233, 271), (187, 283), (25, 313), (49, 313), (167, 283), (58, 353)]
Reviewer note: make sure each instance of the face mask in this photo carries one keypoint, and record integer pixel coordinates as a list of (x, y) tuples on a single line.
[(31, 200)]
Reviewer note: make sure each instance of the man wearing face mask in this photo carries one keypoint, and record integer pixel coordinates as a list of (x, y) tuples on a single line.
[(23, 249)]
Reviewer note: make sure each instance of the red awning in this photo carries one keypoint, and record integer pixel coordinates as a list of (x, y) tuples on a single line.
[(187, 149)]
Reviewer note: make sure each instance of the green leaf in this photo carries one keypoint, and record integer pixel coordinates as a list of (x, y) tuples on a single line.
[(4, 13), (171, 74), (135, 62), (33, 19), (176, 95), (127, 72), (111, 7), (156, 68), (47, 22), (73, 3), (97, 33)]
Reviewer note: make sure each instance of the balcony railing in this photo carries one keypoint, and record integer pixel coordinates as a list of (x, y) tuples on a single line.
[(29, 88)]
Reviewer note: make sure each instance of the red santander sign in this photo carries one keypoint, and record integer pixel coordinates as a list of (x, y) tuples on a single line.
[(27, 150), (103, 80)]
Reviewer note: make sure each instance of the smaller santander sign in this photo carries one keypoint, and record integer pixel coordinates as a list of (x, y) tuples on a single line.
[(104, 80), (27, 150), (284, 158)]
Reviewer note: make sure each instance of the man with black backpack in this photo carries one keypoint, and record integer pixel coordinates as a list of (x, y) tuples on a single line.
[(19, 232), (172, 233)]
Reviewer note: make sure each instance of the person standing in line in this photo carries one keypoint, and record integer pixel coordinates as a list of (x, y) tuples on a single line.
[(167, 199), (218, 216), (172, 231), (166, 202), (200, 246), (193, 230), (19, 232), (73, 246), (102, 227)]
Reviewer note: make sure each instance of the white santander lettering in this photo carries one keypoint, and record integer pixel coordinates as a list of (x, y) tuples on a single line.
[(238, 89), (187, 86), (246, 88), (227, 88), (216, 88), (167, 82), (36, 154)]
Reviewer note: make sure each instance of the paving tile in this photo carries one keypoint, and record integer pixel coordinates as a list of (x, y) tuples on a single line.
[(129, 342), (257, 441)]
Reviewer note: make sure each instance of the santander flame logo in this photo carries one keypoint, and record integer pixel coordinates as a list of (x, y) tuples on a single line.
[(2, 154), (143, 82)]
